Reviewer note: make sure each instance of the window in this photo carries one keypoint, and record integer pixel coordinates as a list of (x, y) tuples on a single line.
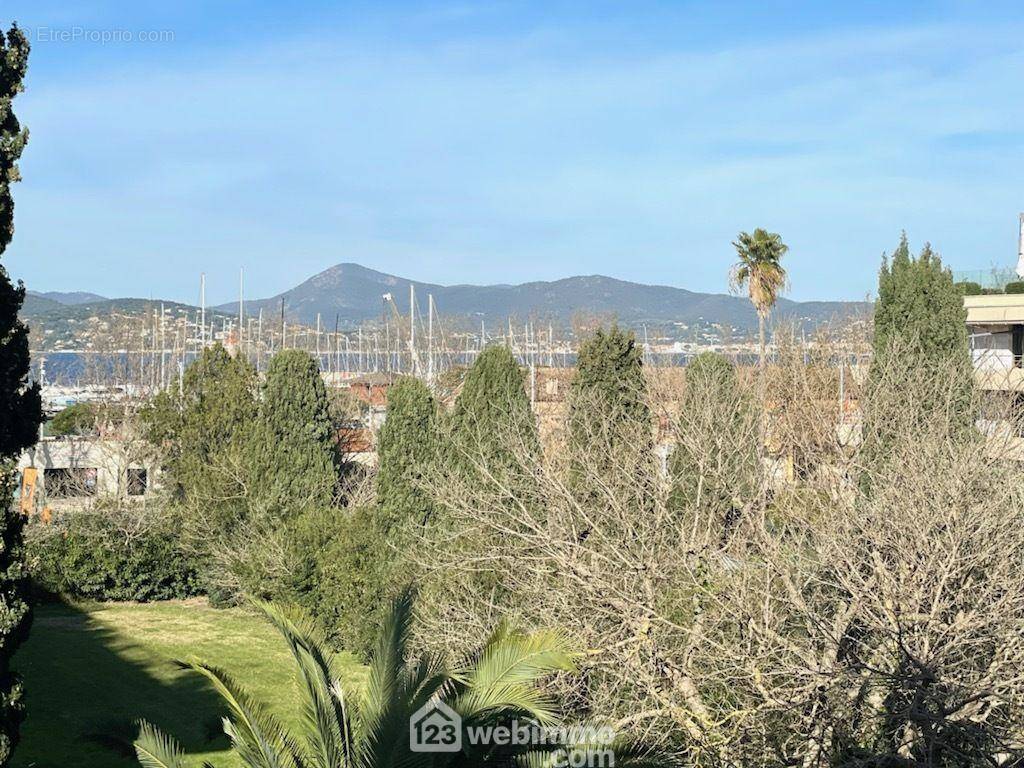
[(69, 482), (137, 481)]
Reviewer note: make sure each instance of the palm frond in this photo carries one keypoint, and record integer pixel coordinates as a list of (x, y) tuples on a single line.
[(505, 675), (387, 660), (258, 738), (759, 268), (156, 749), (382, 717), (327, 731)]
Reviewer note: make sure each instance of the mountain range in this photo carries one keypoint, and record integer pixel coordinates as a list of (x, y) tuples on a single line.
[(353, 293)]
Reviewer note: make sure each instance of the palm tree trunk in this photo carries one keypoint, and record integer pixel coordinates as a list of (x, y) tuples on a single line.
[(760, 339)]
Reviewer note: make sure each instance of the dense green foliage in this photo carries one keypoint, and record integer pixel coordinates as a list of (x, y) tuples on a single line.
[(20, 404), (406, 448), (355, 570), (210, 414), (77, 419), (361, 550), (109, 555), (609, 386), (1016, 286), (920, 320), (492, 424), (202, 429), (969, 288), (918, 303), (610, 425), (292, 449)]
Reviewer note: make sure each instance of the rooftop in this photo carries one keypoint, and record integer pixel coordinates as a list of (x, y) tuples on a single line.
[(995, 308)]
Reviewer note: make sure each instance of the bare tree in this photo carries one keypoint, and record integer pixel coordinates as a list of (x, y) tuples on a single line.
[(820, 623)]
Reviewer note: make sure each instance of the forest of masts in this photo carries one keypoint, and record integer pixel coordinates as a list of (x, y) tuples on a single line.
[(152, 350)]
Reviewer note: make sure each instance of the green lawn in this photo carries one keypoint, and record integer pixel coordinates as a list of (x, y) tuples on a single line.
[(90, 671)]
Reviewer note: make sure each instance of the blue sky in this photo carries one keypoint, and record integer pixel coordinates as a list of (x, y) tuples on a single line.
[(506, 142)]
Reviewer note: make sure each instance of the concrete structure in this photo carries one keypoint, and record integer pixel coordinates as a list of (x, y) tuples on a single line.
[(74, 471), (996, 327)]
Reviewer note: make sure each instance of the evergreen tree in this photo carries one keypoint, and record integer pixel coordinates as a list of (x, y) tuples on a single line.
[(406, 449), (610, 427), (492, 422), (717, 447), (20, 404), (202, 427), (921, 328), (198, 422), (609, 389), (292, 452), (919, 304), (366, 561)]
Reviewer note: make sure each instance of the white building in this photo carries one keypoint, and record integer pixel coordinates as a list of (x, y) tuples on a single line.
[(74, 471)]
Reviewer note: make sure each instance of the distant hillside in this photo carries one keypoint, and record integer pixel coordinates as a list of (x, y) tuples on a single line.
[(53, 325), (353, 294), (70, 298)]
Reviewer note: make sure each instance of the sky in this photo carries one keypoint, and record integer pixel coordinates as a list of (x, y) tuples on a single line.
[(487, 142)]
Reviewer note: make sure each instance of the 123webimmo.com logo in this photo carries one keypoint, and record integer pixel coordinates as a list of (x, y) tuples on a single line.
[(435, 727)]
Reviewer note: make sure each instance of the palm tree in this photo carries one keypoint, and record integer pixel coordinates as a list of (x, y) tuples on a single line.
[(369, 728), (759, 271)]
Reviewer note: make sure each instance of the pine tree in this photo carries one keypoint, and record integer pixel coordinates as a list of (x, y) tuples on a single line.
[(292, 452), (20, 404), (492, 422)]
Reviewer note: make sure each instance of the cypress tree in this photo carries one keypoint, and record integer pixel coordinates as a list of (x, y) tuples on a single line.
[(919, 304), (20, 403), (610, 428), (609, 390), (292, 451), (711, 464), (919, 317), (406, 449), (365, 564), (210, 414), (492, 422)]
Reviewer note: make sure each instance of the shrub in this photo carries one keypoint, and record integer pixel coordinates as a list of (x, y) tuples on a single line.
[(351, 579), (109, 555), (968, 288), (76, 419), (1016, 286)]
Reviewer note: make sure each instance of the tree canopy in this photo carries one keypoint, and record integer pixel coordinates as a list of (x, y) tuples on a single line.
[(20, 403)]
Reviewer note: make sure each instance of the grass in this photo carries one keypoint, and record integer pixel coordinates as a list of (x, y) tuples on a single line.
[(91, 671)]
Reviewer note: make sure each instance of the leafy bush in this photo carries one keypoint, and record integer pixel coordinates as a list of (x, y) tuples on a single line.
[(968, 288), (1015, 287), (351, 579), (76, 419), (109, 555)]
